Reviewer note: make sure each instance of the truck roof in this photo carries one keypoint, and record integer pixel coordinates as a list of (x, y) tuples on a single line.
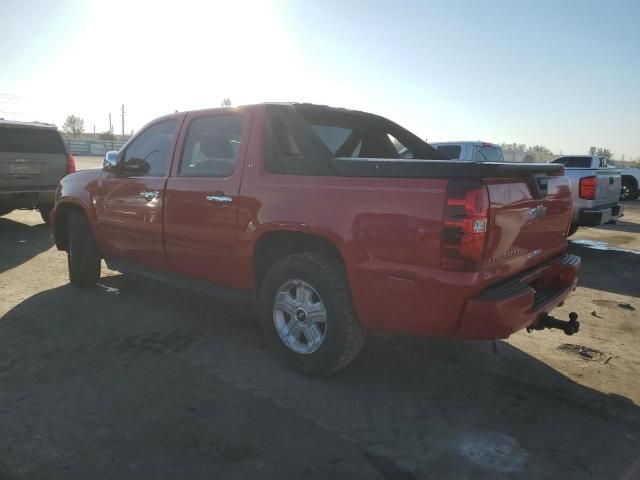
[(472, 142), (16, 123)]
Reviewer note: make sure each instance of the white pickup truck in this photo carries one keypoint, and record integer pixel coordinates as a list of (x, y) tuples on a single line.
[(595, 188)]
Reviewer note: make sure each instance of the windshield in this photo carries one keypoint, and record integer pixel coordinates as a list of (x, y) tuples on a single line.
[(574, 162), (487, 153)]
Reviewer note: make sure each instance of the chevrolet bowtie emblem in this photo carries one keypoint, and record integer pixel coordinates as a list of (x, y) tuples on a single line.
[(536, 212)]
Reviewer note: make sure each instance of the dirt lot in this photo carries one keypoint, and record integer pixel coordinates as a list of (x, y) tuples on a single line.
[(136, 380)]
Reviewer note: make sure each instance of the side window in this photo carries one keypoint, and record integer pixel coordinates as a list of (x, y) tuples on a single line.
[(452, 152), (402, 151), (153, 146), (212, 146), (342, 141)]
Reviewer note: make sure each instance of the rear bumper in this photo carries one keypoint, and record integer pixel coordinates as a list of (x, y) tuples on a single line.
[(502, 309), (27, 198), (592, 217)]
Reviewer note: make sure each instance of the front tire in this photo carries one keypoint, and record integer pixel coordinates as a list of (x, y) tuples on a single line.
[(306, 314), (83, 256), (572, 229), (45, 210)]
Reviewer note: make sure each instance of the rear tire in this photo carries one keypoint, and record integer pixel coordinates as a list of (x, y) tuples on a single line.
[(572, 229), (336, 339), (629, 190), (83, 256)]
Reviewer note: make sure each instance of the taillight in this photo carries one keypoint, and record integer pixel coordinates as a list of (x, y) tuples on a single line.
[(71, 163), (464, 226), (587, 188)]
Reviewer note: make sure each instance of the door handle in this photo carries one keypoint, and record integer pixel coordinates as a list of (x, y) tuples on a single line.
[(223, 199), (149, 195)]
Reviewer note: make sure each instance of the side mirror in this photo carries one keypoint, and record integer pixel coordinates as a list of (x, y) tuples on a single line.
[(110, 163), (136, 166)]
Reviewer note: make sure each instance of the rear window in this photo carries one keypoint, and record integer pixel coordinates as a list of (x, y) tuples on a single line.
[(450, 151), (303, 140), (30, 140), (574, 162), (482, 153)]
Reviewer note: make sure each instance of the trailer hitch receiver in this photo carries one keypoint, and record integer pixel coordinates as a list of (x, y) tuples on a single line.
[(569, 327)]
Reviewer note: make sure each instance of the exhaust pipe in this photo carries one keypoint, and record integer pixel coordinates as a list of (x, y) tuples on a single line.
[(569, 327)]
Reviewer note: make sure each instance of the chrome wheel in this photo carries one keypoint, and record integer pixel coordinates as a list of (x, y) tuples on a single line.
[(300, 317)]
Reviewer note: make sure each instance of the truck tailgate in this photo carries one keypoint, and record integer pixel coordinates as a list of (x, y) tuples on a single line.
[(22, 171), (525, 230), (608, 187)]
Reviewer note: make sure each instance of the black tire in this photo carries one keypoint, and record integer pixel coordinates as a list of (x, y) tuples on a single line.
[(344, 337), (572, 229), (83, 256), (45, 210), (629, 190)]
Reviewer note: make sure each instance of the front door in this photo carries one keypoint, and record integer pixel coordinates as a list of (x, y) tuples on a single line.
[(129, 204), (202, 196)]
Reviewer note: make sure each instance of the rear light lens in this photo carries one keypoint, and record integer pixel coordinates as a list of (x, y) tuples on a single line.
[(71, 163), (587, 188), (464, 226)]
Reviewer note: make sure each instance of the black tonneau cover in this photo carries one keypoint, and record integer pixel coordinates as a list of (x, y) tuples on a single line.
[(400, 168)]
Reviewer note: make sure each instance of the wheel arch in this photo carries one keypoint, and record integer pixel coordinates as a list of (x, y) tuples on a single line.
[(631, 179), (273, 245), (60, 231)]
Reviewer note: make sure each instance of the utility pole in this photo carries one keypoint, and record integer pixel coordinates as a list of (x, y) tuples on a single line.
[(123, 120), (110, 126), (94, 128)]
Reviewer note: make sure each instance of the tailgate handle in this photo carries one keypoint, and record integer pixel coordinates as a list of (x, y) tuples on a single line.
[(539, 185)]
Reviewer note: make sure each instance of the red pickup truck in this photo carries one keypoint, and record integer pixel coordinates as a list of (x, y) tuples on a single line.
[(310, 212)]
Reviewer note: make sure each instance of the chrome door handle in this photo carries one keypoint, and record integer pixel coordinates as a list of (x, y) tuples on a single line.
[(219, 199), (149, 195)]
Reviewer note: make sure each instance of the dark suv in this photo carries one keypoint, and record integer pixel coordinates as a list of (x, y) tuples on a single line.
[(33, 159)]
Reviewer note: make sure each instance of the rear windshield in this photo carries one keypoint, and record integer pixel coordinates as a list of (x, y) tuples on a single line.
[(452, 152), (30, 140), (574, 162), (487, 153), (303, 139)]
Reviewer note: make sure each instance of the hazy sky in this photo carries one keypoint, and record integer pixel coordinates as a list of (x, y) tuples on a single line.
[(565, 74)]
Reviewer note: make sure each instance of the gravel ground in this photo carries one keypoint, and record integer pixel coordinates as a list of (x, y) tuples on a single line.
[(133, 379)]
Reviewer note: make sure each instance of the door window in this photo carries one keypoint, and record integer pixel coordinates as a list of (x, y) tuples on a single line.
[(450, 151), (153, 146), (212, 146)]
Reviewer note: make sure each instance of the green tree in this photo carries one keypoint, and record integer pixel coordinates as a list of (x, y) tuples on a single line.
[(73, 125), (107, 135), (513, 147), (536, 149), (604, 152)]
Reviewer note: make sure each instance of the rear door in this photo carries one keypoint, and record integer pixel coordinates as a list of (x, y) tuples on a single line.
[(202, 196), (31, 158)]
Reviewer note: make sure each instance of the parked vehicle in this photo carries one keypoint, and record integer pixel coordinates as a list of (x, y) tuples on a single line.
[(596, 190), (33, 159), (470, 151), (311, 212)]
